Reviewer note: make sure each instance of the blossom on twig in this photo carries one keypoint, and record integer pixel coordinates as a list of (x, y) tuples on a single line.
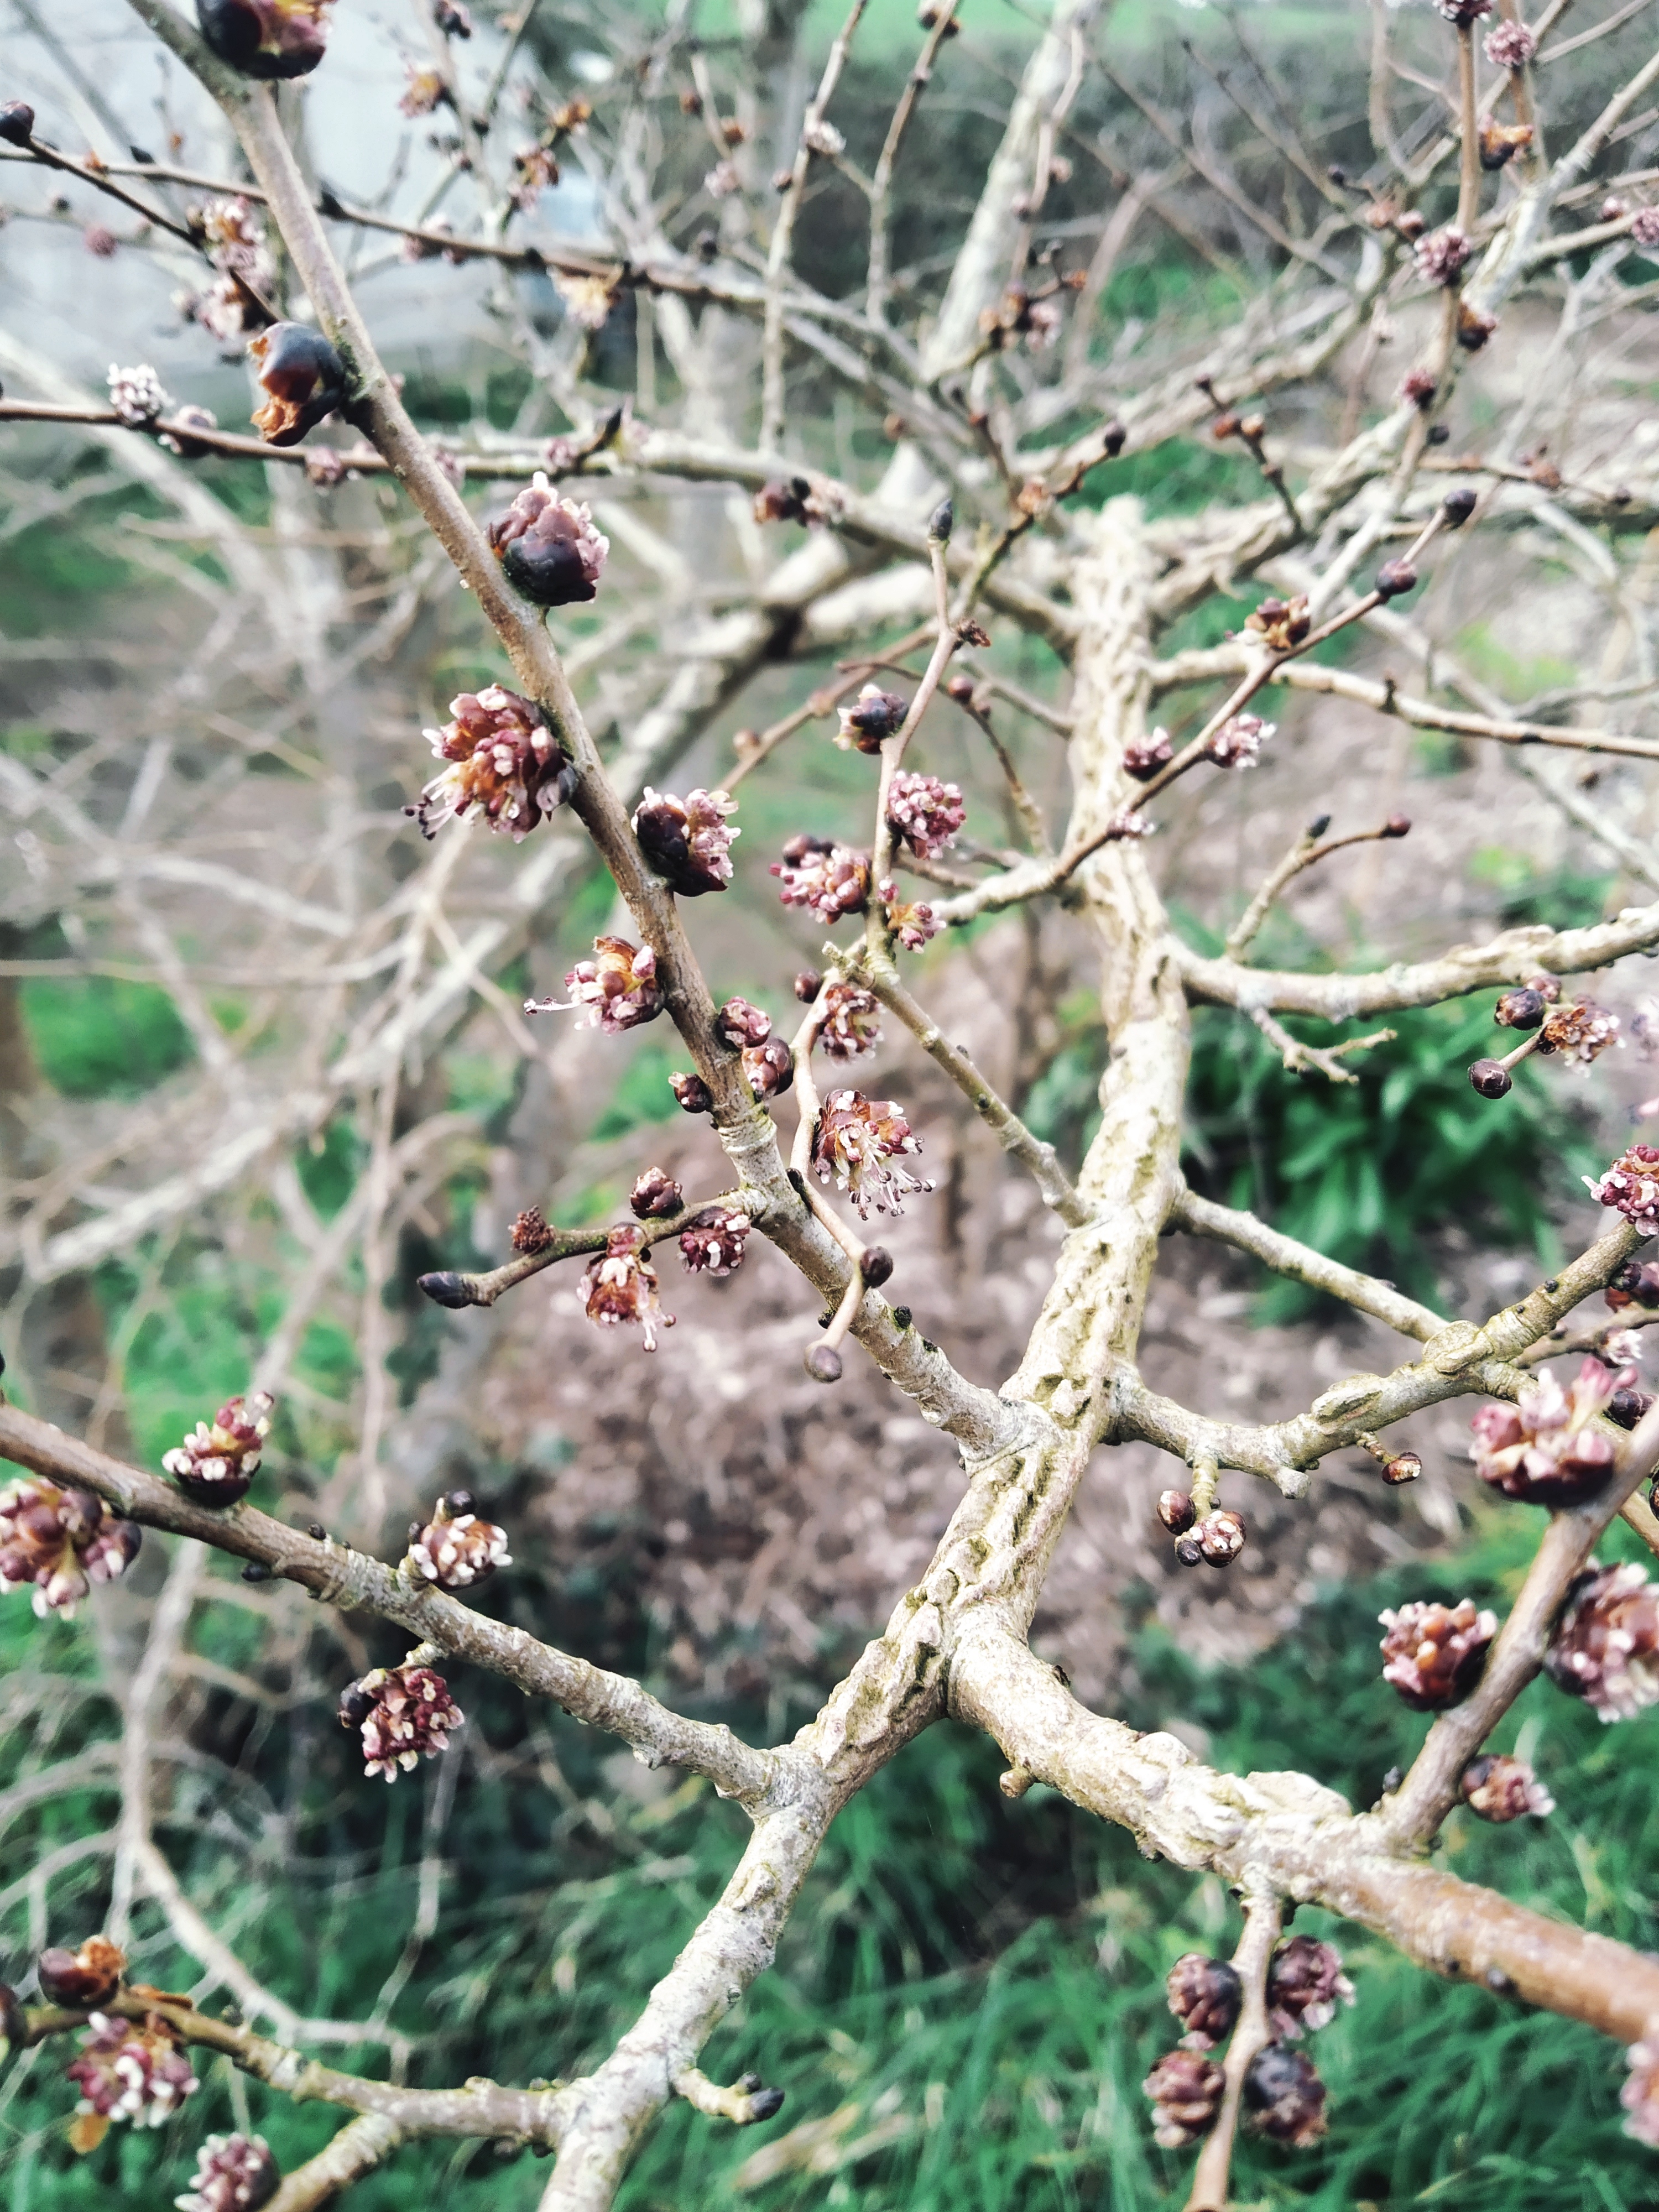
[(456, 1548), (233, 2173), (1186, 2090), (830, 880), (1433, 1654), (925, 812), (1543, 1448), (1606, 1647), (216, 1466), (622, 1289), (136, 394), (1498, 1787), (402, 1714), (873, 717), (548, 546), (1632, 1184), (58, 1541), (1238, 742), (1305, 1985), (713, 1244), (502, 759), (616, 990), (130, 2070), (851, 1021), (855, 1144), (912, 921)]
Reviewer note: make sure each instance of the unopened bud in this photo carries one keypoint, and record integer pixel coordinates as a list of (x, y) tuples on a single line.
[(808, 984), (1490, 1078), (1458, 505), (877, 1265), (960, 688), (16, 122), (1395, 577), (1404, 1467), (693, 1093), (1175, 1510), (941, 522), (1220, 1537), (1397, 825), (824, 1364), (1523, 1009), (1189, 1551)]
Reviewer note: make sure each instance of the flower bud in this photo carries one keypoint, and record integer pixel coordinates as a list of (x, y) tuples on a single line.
[(1458, 505), (132, 2071), (266, 38), (941, 522), (1605, 1646), (84, 1978), (216, 1466), (960, 688), (1305, 1985), (1404, 1467), (1175, 1510), (877, 1265), (1286, 2097), (781, 501), (233, 2173), (1490, 1078), (808, 984), (1625, 1407), (852, 1022), (16, 122), (686, 840), (1220, 1537), (1521, 1009), (655, 1195), (1395, 577), (402, 1713), (824, 1364), (530, 1232), (303, 378), (768, 1068), (873, 717), (1397, 825), (547, 547), (1185, 2089), (1501, 142), (1497, 1788), (1143, 761), (713, 1244), (1205, 1995), (456, 1549), (925, 812), (1434, 1654), (1632, 1184), (1474, 327), (693, 1094), (742, 1024), (1189, 1551), (1635, 1283), (622, 1289)]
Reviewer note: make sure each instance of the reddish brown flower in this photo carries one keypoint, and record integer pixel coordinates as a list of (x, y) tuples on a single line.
[(1305, 1985), (1498, 1787), (530, 1231), (1441, 257), (1282, 623), (1143, 761), (713, 1244), (547, 547), (1632, 1184), (233, 2173), (1286, 2097), (851, 1021), (60, 1541), (1474, 327), (768, 1068), (502, 759), (1644, 227), (925, 812), (266, 38), (83, 1979), (830, 880), (686, 840), (912, 921), (1420, 388), (692, 1094), (783, 501), (873, 717), (455, 1548), (402, 1713), (1544, 1450), (216, 1466), (655, 1196), (1583, 1032), (1239, 740), (622, 1288), (1433, 1654), (1205, 1995), (535, 170), (742, 1024), (856, 1143), (303, 379), (1606, 1647), (129, 2070), (1186, 2090), (1636, 1284), (1524, 1008), (617, 989)]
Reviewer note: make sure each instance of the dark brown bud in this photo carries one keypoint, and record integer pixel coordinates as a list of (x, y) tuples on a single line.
[(1625, 1407), (1638, 1284), (1286, 2096), (530, 1231), (1395, 577), (1520, 1009), (84, 1978), (960, 688), (824, 1364), (266, 38), (1176, 1511), (16, 122), (303, 377), (655, 1195), (808, 984), (1474, 327), (941, 522), (1220, 1536), (1113, 438), (769, 1068), (1404, 1467), (1458, 505), (1490, 1078), (1205, 1995), (355, 1705), (1439, 434), (877, 1265), (445, 1288), (1397, 825), (693, 1093), (1189, 1551), (1226, 426)]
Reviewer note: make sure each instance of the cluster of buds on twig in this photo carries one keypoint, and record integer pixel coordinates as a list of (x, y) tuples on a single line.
[(621, 1288), (1282, 623), (767, 1066), (1605, 1645), (851, 1024), (1580, 1032), (1305, 1985), (455, 1548), (303, 379), (402, 1713), (136, 394), (1544, 1450), (1499, 1788), (266, 38), (233, 305), (1238, 742), (856, 1143), (714, 1243), (503, 760), (925, 812), (128, 2070), (687, 841), (616, 990), (873, 717), (58, 1541), (1632, 1184), (233, 2173), (912, 922), (1434, 1654), (655, 1196), (216, 1466), (1444, 255), (587, 300), (1509, 46), (830, 880), (1034, 316), (548, 546), (1212, 1538)]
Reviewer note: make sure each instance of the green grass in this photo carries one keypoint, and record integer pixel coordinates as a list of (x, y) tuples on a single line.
[(95, 1037)]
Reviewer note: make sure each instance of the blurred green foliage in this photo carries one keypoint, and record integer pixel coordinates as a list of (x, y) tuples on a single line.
[(93, 1036)]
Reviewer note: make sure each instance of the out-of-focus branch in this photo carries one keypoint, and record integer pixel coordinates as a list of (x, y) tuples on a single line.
[(1250, 1962), (1202, 1217)]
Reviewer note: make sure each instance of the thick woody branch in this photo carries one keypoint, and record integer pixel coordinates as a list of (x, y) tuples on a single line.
[(353, 1580), (361, 2146)]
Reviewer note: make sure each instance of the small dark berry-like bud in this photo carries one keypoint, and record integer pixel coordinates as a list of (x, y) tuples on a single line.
[(877, 1265), (1397, 825), (1501, 142), (1205, 1995), (693, 1093), (530, 1231), (941, 522), (1305, 1985), (1176, 1511), (782, 501), (824, 1364), (354, 1706), (1524, 1009), (960, 688), (655, 1195), (16, 122), (808, 984), (1189, 1551), (303, 378), (1458, 505), (84, 1978), (1113, 438), (1186, 2090), (1433, 1654), (1420, 388), (1286, 2096), (768, 1068), (547, 547), (1498, 1787), (445, 1287), (1490, 1078), (1404, 1467), (1395, 577), (266, 38), (1220, 1537)]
